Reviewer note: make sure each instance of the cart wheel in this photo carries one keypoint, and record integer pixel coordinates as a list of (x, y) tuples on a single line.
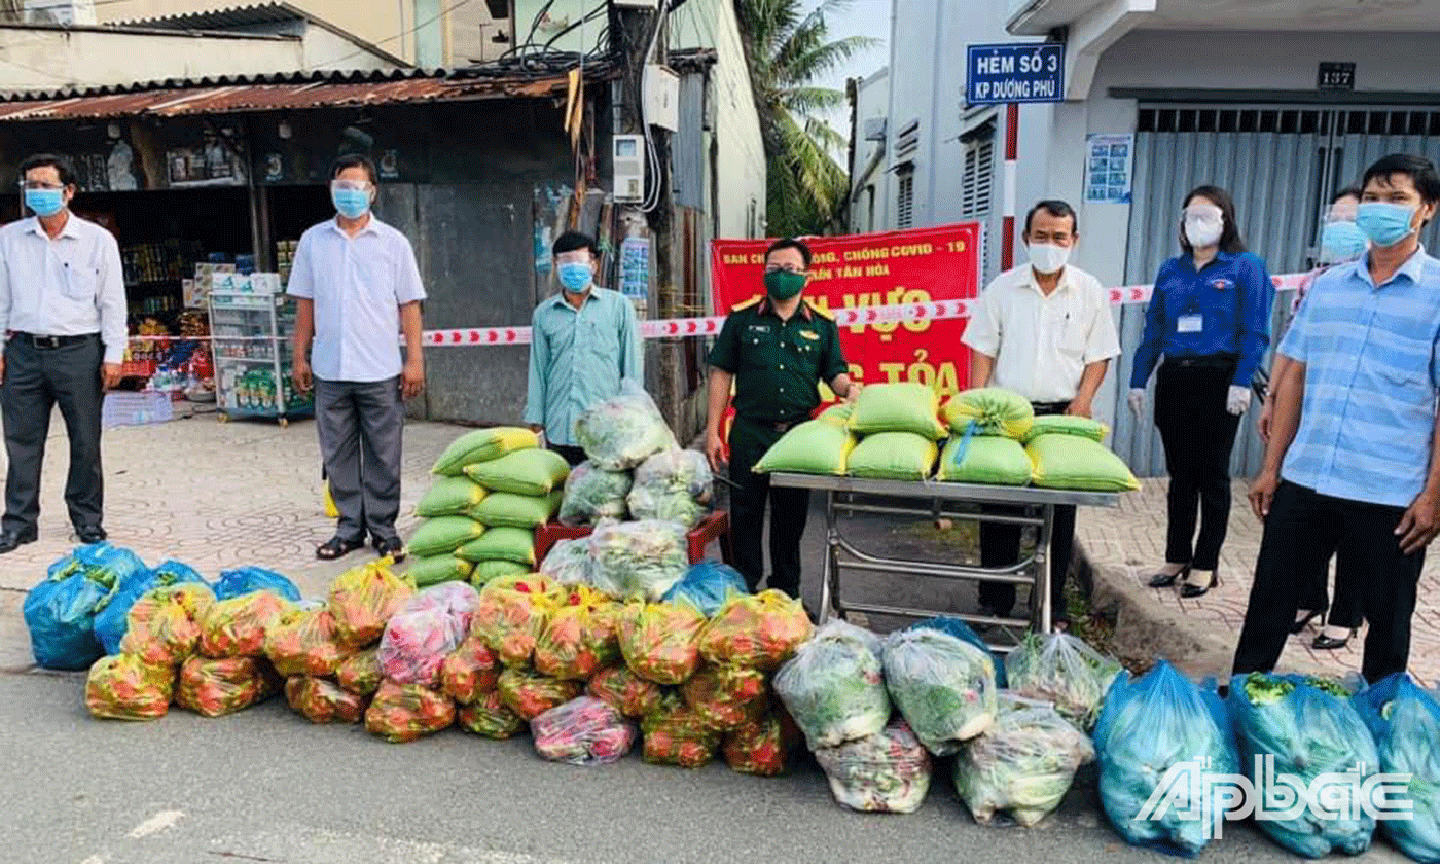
[(222, 417), (284, 422)]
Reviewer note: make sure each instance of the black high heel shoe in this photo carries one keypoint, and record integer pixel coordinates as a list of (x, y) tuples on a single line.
[(1190, 590), (1299, 626), (1327, 643), (1165, 580)]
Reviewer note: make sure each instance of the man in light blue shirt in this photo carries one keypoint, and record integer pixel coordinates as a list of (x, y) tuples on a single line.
[(1351, 468), (357, 287), (584, 342)]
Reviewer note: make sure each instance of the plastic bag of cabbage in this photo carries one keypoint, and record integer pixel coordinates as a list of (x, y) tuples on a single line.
[(623, 431), (1149, 725), (592, 494), (1023, 765), (834, 686), (1405, 721), (1065, 671), (638, 560), (1311, 729), (673, 484), (944, 687)]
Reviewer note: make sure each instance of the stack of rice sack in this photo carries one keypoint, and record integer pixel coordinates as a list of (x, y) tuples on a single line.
[(181, 640), (496, 486)]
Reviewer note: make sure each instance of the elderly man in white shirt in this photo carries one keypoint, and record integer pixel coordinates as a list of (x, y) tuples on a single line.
[(358, 286), (62, 310), (1043, 330)]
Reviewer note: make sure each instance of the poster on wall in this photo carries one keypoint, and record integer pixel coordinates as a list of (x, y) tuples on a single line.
[(217, 162), (1108, 168), (919, 265), (635, 270)]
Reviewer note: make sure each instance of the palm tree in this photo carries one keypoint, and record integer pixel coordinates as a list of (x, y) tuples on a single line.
[(787, 49)]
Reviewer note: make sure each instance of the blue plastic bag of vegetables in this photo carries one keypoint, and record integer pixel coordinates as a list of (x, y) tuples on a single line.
[(1148, 725), (962, 631), (237, 583), (60, 611), (1405, 721), (112, 618), (1310, 727), (707, 586)]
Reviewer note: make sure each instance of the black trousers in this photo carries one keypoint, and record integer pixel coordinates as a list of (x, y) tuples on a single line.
[(1198, 434), (1368, 558), (1313, 573), (788, 510), (1000, 547), (36, 380), (572, 454)]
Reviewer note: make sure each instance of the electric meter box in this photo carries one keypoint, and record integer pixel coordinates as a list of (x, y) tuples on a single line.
[(627, 160)]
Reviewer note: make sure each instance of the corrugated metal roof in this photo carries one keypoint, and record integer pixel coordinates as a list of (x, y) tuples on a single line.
[(277, 93), (220, 19)]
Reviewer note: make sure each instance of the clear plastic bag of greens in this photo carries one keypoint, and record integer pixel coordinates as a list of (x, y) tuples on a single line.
[(887, 772), (638, 560), (1063, 670), (944, 687), (623, 431), (592, 494), (1023, 765), (834, 686)]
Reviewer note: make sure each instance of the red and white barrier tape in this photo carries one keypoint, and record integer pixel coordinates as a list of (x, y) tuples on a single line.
[(940, 310)]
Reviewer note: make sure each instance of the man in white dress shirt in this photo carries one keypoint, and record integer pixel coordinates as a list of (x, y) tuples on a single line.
[(1043, 330), (358, 286), (62, 312)]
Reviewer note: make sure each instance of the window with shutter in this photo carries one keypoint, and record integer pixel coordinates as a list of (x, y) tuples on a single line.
[(905, 206)]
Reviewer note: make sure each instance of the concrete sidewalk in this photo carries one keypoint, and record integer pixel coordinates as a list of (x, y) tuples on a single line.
[(1126, 545)]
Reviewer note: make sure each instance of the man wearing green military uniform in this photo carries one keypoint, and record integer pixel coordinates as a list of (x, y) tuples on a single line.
[(775, 351)]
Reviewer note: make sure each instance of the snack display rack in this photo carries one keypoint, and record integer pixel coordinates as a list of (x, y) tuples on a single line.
[(252, 322)]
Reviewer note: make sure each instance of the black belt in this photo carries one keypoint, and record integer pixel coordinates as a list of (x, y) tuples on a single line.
[(1209, 361), (50, 343), (769, 424), (1041, 408)]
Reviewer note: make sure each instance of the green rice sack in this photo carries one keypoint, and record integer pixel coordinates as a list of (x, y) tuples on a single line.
[(1072, 462), (437, 569), (993, 412), (905, 407), (515, 545), (443, 535), (1065, 424), (985, 459), (840, 414), (486, 571), (525, 472), (815, 447), (482, 445), (894, 456), (450, 496), (504, 510)]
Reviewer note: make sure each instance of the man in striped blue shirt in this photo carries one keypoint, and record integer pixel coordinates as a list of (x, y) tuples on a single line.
[(1351, 464)]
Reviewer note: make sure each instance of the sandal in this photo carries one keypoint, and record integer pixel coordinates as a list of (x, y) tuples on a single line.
[(391, 548), (337, 547)]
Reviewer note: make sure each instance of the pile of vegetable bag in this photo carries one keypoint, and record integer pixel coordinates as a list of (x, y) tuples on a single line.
[(1310, 727), (322, 701), (237, 627), (401, 713), (638, 560), (834, 687), (707, 586), (1022, 765), (761, 747), (361, 673), (593, 494), (112, 617), (661, 641), (1148, 725), (944, 687), (363, 600), (489, 717), (674, 735), (727, 697), (482, 445), (1405, 722), (960, 630), (907, 407), (673, 485), (429, 626), (568, 562), (243, 580), (760, 631), (580, 637), (510, 615), (1064, 671), (990, 411), (887, 772), (60, 611), (813, 447), (583, 731), (622, 432)]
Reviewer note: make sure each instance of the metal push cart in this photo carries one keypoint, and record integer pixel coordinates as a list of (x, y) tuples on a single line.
[(253, 356), (935, 499)]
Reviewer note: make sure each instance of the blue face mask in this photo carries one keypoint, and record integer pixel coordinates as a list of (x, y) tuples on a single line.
[(574, 275), (350, 203), (1385, 224), (1341, 241), (45, 202)]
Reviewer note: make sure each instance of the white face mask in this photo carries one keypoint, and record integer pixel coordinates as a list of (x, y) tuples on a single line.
[(1048, 259), (1204, 225)]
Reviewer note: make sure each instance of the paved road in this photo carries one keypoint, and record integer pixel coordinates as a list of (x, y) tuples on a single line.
[(267, 786)]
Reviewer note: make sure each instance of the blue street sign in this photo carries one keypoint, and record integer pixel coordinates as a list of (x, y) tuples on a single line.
[(1015, 72)]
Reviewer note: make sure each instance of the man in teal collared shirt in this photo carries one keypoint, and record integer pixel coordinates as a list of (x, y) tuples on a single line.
[(584, 342)]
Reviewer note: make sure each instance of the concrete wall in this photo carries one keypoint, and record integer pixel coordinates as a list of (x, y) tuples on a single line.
[(870, 177)]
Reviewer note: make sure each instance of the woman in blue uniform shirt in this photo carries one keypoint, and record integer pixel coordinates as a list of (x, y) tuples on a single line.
[(1209, 319)]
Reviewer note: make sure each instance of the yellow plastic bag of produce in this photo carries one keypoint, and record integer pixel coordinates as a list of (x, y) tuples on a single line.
[(530, 695), (361, 673), (482, 445), (125, 687), (322, 701), (490, 717), (992, 411), (511, 616), (727, 697), (401, 713), (626, 692), (450, 496), (330, 510), (363, 600), (761, 631), (902, 407), (675, 736), (214, 688), (304, 643), (237, 627), (762, 747), (814, 447), (581, 637), (661, 641), (164, 624), (469, 672)]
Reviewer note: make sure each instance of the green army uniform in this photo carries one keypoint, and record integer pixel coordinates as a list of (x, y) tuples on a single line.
[(778, 366)]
